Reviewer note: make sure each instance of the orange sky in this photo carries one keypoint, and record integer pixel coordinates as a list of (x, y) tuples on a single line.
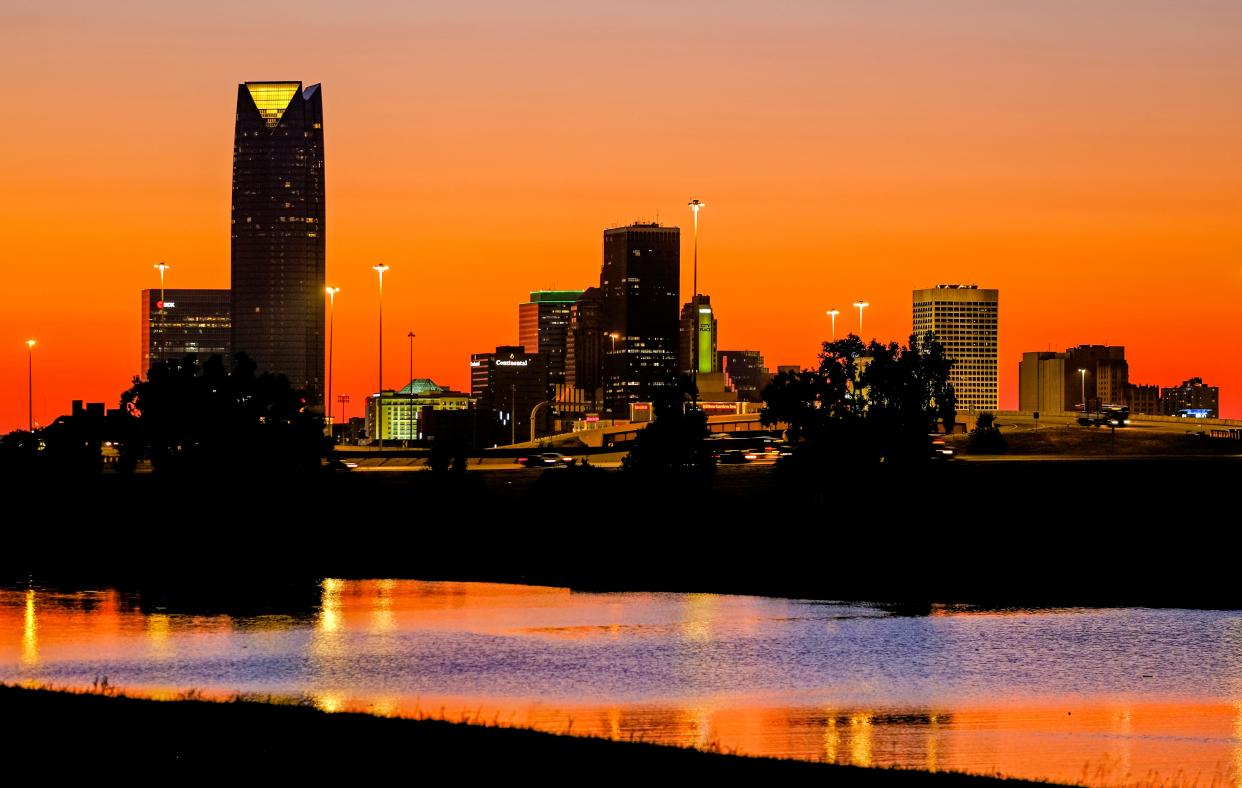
[(1086, 159)]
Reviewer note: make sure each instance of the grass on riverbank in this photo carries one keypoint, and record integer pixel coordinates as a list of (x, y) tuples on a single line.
[(106, 732), (1101, 442)]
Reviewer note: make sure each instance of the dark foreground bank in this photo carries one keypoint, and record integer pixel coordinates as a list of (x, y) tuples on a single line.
[(131, 736), (1011, 533)]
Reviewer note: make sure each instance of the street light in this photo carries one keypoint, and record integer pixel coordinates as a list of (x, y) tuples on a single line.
[(409, 435), (380, 268), (861, 306), (613, 336), (343, 399), (832, 313), (162, 267), (332, 291), (1083, 374), (30, 343)]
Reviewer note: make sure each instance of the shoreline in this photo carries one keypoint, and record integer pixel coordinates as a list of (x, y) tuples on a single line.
[(136, 732)]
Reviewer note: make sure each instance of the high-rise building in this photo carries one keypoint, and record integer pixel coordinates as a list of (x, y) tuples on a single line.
[(1084, 376), (640, 283), (187, 322), (1192, 397), (509, 383), (543, 327), (278, 261), (745, 373), (697, 346), (964, 319), (585, 345)]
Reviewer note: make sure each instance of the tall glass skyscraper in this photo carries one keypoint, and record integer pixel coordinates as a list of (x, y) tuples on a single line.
[(278, 261), (639, 284)]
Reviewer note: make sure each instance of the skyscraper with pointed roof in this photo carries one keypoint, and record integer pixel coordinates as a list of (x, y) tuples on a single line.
[(278, 260)]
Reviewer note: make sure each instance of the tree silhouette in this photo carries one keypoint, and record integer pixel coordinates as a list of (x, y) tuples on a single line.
[(673, 443), (863, 403), (192, 417), (986, 437)]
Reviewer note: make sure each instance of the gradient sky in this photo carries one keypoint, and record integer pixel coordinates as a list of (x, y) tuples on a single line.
[(1085, 158)]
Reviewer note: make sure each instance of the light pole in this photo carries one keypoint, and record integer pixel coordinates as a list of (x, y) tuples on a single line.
[(512, 413), (162, 267), (30, 343), (1083, 374), (832, 313), (695, 207), (380, 268), (409, 435), (861, 306), (343, 399), (332, 291)]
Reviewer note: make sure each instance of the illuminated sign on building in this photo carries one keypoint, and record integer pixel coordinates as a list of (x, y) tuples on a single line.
[(165, 304), (521, 363)]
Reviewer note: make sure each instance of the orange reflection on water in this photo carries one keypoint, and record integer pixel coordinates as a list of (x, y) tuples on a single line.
[(30, 631), (1098, 741)]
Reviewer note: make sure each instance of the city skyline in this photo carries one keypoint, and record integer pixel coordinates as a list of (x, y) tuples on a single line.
[(1113, 223)]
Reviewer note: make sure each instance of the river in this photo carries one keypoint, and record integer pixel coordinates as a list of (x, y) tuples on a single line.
[(1098, 696)]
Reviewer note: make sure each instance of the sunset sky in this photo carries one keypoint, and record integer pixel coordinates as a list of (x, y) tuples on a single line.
[(1084, 158)]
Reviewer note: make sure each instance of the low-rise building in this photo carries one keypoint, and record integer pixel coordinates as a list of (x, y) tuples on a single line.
[(400, 415), (1191, 397)]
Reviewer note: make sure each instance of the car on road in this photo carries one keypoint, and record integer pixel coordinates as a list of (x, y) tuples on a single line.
[(939, 449), (733, 456), (548, 459)]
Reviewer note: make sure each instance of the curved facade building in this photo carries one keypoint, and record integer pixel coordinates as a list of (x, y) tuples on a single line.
[(278, 260)]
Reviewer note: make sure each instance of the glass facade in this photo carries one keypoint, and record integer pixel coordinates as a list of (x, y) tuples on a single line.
[(543, 327), (278, 259), (640, 285), (186, 322)]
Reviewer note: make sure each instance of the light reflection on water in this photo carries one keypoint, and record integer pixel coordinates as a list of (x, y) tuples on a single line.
[(1101, 696)]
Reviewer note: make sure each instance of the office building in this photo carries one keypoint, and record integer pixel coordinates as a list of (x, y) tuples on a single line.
[(186, 323), (639, 285), (508, 384), (1086, 375), (584, 347), (697, 343), (278, 262), (1192, 398), (402, 415), (964, 319), (1144, 400), (745, 373), (543, 327)]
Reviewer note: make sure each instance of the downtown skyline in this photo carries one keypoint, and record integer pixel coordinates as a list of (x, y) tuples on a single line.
[(1113, 223)]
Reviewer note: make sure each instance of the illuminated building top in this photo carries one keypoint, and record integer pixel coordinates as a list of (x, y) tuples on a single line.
[(272, 99)]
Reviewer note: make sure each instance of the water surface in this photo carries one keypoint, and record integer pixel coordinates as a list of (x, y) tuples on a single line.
[(1105, 697)]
